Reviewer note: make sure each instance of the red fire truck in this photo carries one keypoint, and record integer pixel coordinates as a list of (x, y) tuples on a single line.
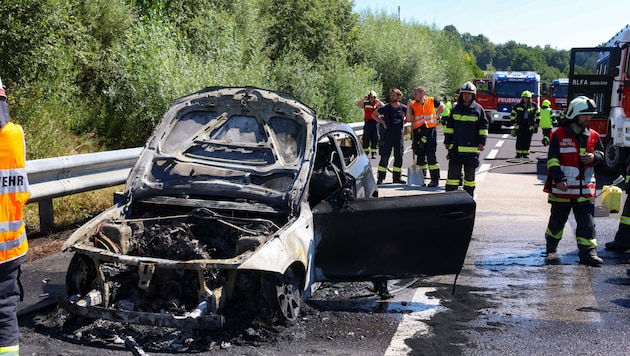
[(499, 91), (603, 73), (556, 92)]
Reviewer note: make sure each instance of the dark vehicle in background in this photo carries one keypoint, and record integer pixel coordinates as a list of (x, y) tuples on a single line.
[(241, 198)]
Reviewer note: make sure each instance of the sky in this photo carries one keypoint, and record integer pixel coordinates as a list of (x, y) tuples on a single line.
[(561, 24)]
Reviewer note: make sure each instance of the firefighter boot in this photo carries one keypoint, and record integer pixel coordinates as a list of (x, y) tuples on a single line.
[(381, 177), (617, 245), (397, 178), (380, 288), (435, 178), (588, 256), (552, 244)]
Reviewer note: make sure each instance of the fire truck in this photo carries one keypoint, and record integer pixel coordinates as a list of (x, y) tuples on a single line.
[(499, 91), (603, 73), (556, 92)]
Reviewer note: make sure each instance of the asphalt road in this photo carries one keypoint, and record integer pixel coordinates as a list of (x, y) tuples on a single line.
[(507, 299)]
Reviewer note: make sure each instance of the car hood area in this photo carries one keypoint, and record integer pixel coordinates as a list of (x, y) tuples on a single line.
[(227, 142)]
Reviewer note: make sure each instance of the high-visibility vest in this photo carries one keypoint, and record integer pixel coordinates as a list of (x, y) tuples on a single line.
[(14, 192), (546, 122), (580, 177), (423, 114), (368, 109), (447, 109)]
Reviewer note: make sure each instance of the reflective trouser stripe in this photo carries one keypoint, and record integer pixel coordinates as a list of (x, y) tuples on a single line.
[(395, 169), (624, 220), (382, 169), (586, 242), (10, 350), (469, 183), (433, 167), (557, 236), (452, 182)]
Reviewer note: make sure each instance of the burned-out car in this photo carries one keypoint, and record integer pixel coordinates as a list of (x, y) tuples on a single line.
[(242, 197)]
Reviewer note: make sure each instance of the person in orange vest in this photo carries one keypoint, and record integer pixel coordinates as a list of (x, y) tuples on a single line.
[(369, 103), (423, 112), (574, 151), (14, 193)]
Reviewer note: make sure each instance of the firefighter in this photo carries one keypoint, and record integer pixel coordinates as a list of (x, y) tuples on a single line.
[(574, 151), (14, 194), (464, 137), (369, 103), (622, 237), (392, 122), (525, 117), (423, 112), (547, 121)]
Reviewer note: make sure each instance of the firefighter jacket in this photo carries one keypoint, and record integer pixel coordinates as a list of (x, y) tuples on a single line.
[(368, 109), (546, 118), (466, 128), (525, 116), (424, 114), (564, 164), (14, 193)]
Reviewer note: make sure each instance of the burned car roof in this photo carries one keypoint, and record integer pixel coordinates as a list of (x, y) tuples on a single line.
[(228, 142)]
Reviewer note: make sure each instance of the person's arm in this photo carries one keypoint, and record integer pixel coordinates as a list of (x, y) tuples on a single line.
[(408, 114), (361, 103), (440, 108), (376, 115)]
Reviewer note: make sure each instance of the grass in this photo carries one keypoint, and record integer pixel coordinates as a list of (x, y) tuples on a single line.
[(73, 210)]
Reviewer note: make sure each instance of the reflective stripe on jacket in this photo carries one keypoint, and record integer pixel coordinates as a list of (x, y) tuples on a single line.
[(14, 193), (466, 128), (423, 114), (369, 108), (565, 151)]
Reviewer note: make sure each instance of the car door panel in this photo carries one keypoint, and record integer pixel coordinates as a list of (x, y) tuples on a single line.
[(393, 237)]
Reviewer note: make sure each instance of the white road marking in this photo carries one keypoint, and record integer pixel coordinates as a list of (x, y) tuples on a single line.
[(499, 143), (482, 171), (492, 154), (413, 323)]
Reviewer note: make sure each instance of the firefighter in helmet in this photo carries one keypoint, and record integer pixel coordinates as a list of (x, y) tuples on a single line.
[(369, 103), (547, 121), (574, 151), (465, 137), (525, 117)]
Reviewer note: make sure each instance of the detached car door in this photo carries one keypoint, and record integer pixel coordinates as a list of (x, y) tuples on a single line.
[(393, 237)]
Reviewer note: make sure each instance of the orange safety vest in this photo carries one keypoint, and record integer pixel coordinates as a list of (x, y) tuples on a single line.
[(14, 193), (423, 114)]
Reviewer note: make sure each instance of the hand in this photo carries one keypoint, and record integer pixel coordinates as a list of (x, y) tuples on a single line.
[(480, 147), (562, 186), (589, 157)]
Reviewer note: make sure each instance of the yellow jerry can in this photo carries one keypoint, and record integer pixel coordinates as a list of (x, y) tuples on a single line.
[(611, 198)]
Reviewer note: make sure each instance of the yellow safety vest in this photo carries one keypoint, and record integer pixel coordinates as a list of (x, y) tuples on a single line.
[(14, 192), (423, 114)]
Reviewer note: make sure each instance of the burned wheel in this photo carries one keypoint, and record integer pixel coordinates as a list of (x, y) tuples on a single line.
[(81, 274), (279, 298), (289, 297)]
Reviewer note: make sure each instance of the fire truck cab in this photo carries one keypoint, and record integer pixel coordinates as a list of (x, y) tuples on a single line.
[(603, 73), (556, 92), (499, 91)]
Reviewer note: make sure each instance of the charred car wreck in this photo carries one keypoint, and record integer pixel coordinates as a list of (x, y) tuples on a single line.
[(241, 195)]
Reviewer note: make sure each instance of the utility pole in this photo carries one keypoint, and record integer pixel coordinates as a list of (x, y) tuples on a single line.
[(398, 12)]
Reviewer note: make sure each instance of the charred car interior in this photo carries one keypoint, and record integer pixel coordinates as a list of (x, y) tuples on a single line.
[(242, 197)]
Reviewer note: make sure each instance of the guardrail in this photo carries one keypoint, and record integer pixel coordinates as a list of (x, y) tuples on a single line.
[(51, 178)]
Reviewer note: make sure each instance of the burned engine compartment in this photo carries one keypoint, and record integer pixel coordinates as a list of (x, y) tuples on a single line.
[(169, 267)]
